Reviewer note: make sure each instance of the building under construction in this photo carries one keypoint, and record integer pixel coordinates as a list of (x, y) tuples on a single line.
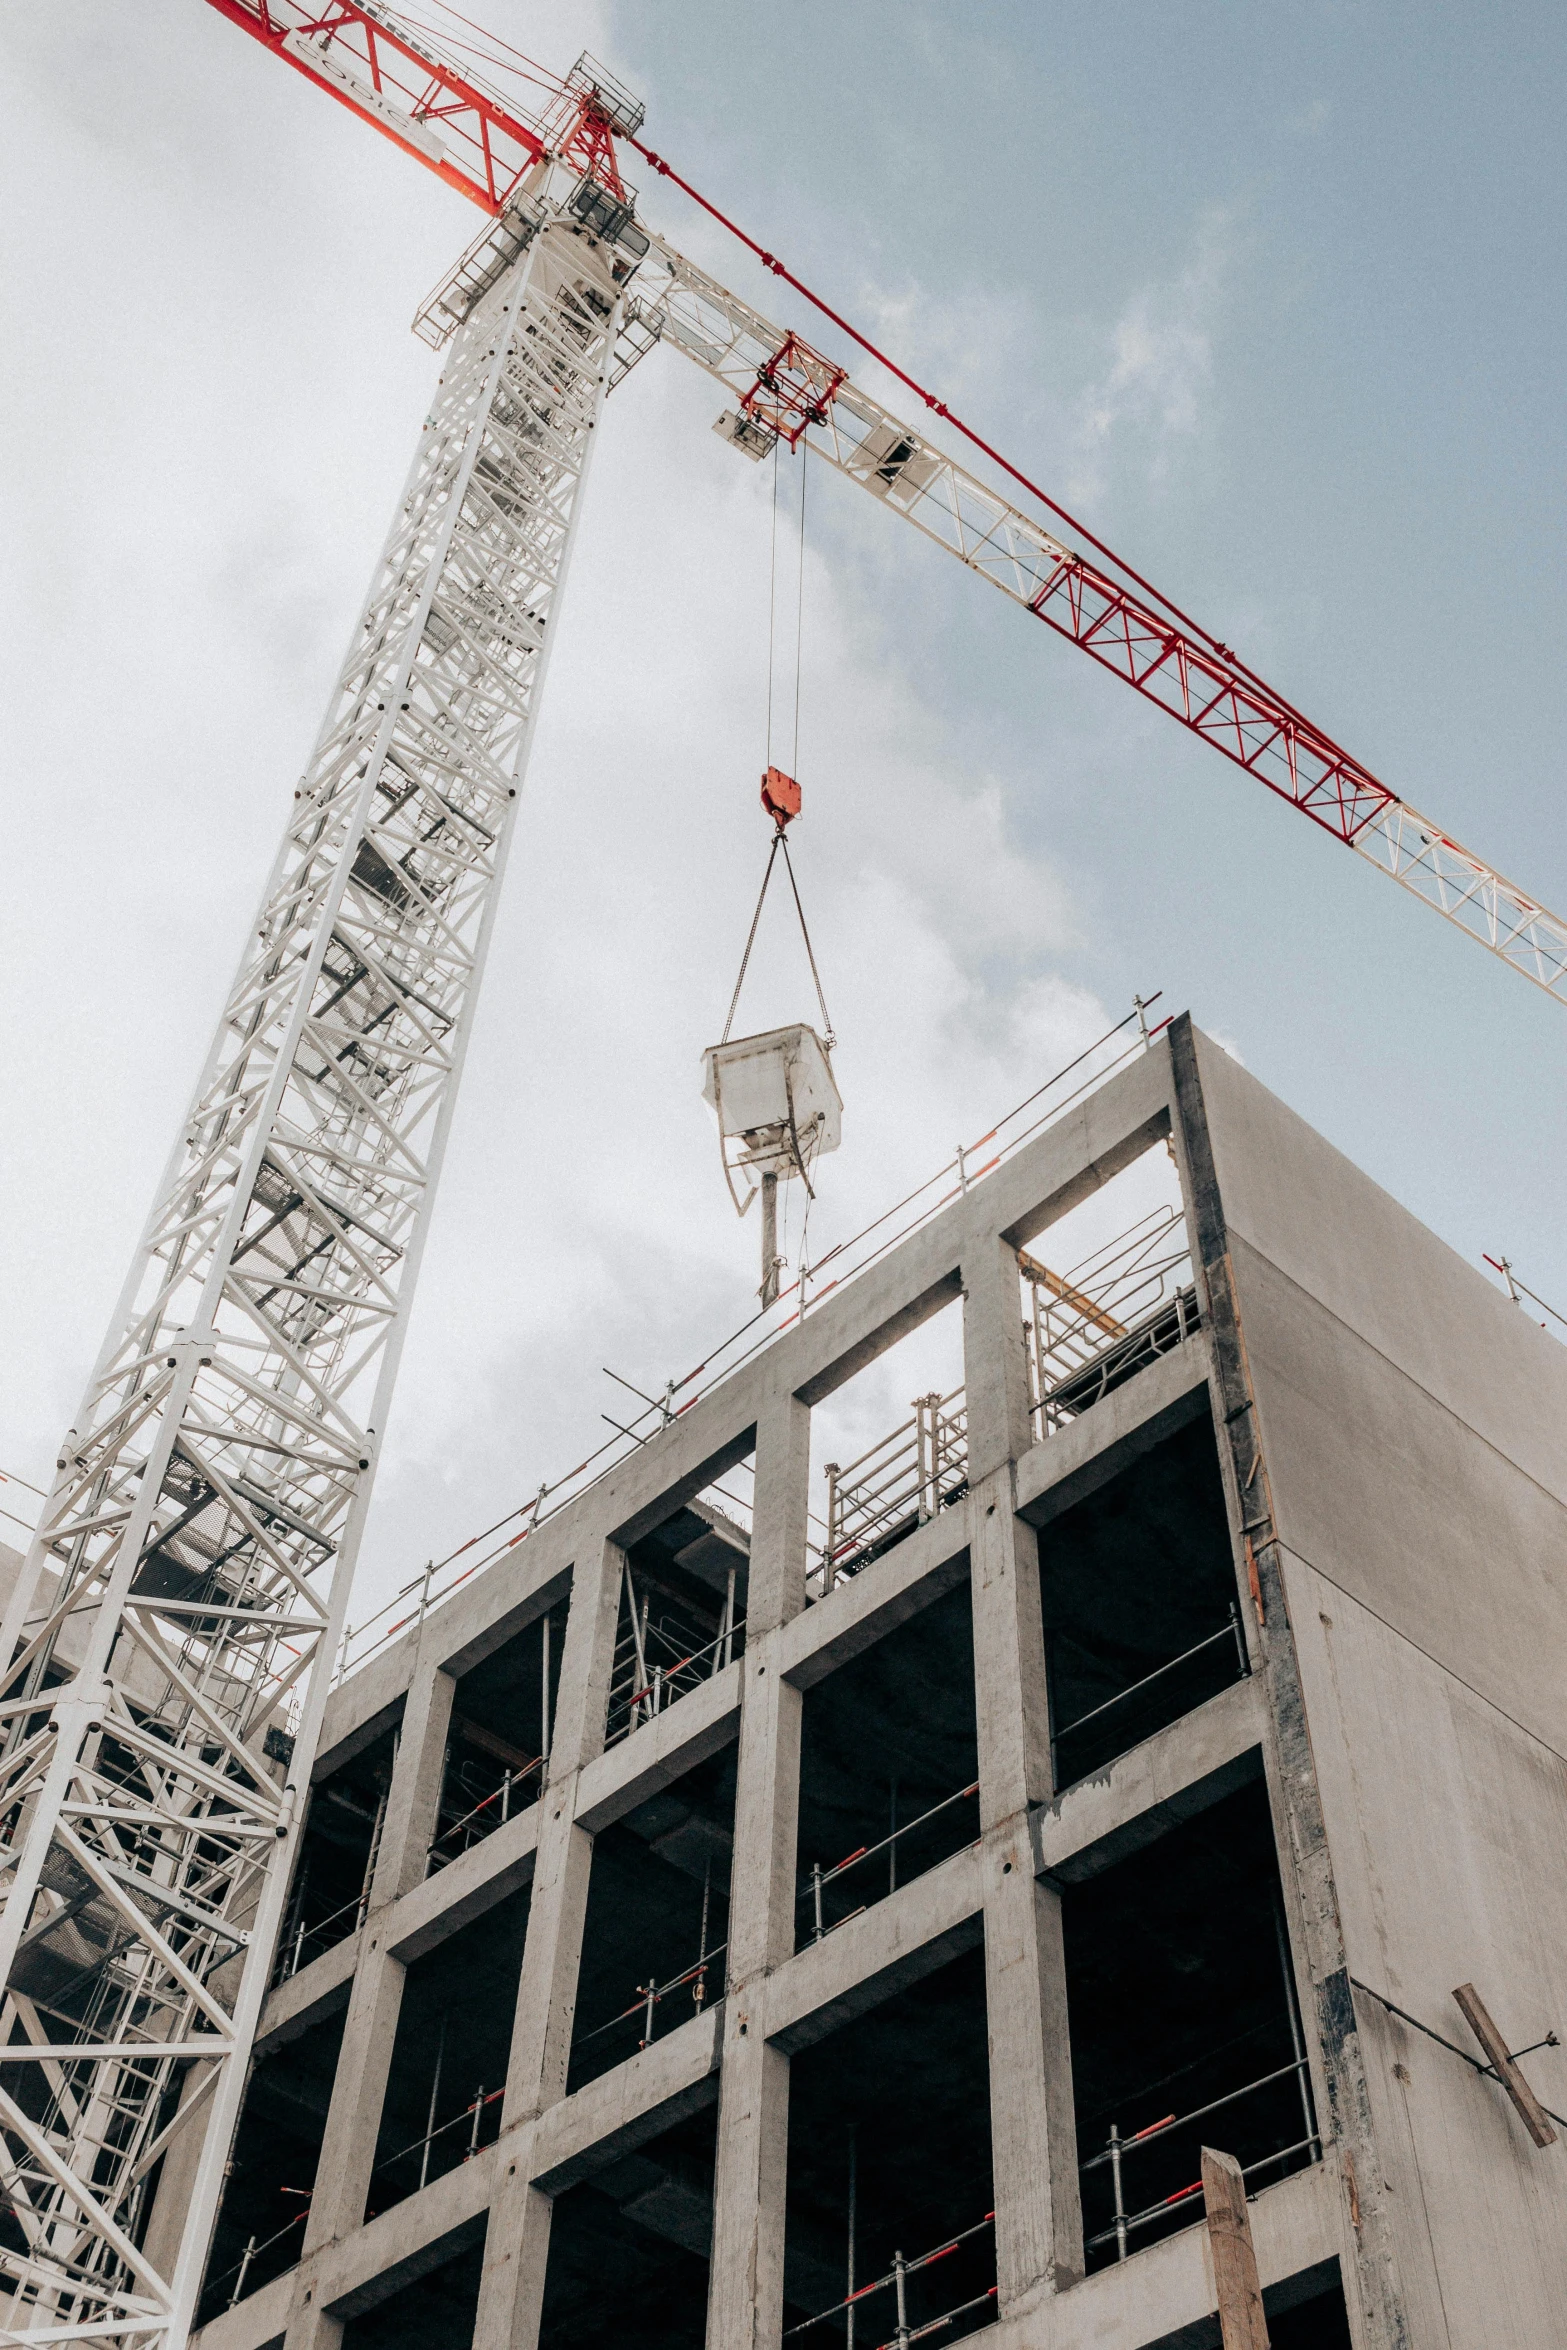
[(711, 1936), (1082, 1864)]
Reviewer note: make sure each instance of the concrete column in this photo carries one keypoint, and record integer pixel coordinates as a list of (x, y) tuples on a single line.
[(337, 2205), (516, 2251), (995, 1363), (745, 2293), (1033, 2142), (413, 1800), (516, 2245), (776, 1583)]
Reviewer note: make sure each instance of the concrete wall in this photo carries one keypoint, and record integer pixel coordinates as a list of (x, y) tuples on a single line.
[(1415, 1429)]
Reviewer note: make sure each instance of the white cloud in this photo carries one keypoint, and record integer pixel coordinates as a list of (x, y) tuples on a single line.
[(212, 466), (1152, 398)]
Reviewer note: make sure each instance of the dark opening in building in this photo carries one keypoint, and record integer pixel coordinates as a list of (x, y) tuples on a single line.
[(1304, 2312), (497, 1744), (337, 1855), (431, 2312), (889, 2193), (266, 2199), (888, 1766), (657, 1918), (629, 2248), (449, 2059), (1140, 1612), (1184, 2030), (682, 1614)]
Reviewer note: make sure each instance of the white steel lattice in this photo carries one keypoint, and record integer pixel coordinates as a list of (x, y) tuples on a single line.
[(193, 1562), (782, 387)]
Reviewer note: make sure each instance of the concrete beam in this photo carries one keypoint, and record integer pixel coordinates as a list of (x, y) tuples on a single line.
[(1139, 1797), (697, 1725), (921, 1569), (1073, 1462), (625, 2107), (871, 1957)]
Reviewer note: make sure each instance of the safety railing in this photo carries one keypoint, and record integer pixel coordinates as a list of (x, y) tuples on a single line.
[(1096, 1326), (443, 2145), (650, 1998), (902, 1481), (253, 2263), (1111, 1714), (660, 1658), (818, 1882), (1119, 2151), (515, 1791), (840, 1263), (979, 2306)]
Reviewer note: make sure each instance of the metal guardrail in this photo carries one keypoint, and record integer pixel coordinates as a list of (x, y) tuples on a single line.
[(1096, 1326), (660, 1658), (899, 1483), (1118, 2150)]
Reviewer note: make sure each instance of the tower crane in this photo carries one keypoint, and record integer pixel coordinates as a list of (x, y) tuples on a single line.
[(168, 1646)]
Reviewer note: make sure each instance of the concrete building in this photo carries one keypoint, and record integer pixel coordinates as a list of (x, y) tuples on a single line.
[(1145, 1769)]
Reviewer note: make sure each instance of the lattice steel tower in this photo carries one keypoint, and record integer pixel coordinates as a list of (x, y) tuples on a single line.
[(194, 1559)]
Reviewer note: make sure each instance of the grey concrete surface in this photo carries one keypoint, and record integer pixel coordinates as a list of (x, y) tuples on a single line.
[(1391, 1435)]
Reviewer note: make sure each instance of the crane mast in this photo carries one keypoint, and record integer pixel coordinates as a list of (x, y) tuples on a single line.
[(171, 1638)]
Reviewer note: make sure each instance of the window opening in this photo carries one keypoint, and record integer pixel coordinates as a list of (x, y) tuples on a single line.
[(630, 2248), (889, 1771), (449, 2059), (657, 1922), (682, 1614), (497, 1749), (272, 2174), (1141, 1616), (889, 2231), (437, 2308), (892, 1444), (1184, 2026), (330, 1896), (1106, 1290)]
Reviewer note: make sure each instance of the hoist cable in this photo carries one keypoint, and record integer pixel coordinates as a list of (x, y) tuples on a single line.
[(772, 605), (751, 938), (829, 1040), (799, 611)]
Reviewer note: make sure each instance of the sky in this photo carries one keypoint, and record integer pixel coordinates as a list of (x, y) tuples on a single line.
[(1270, 297)]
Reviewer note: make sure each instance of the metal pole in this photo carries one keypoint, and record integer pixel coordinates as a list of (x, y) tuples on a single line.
[(1240, 1640), (244, 2266), (435, 2091), (769, 1292), (727, 1642), (816, 1890), (854, 2186), (651, 1988), (1296, 2041), (1120, 2202), (473, 2135), (903, 2312)]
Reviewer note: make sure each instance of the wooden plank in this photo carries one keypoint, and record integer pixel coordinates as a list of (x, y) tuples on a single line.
[(1242, 2325), (1530, 2110)]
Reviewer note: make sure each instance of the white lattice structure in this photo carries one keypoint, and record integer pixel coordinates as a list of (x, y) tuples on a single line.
[(194, 1559)]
